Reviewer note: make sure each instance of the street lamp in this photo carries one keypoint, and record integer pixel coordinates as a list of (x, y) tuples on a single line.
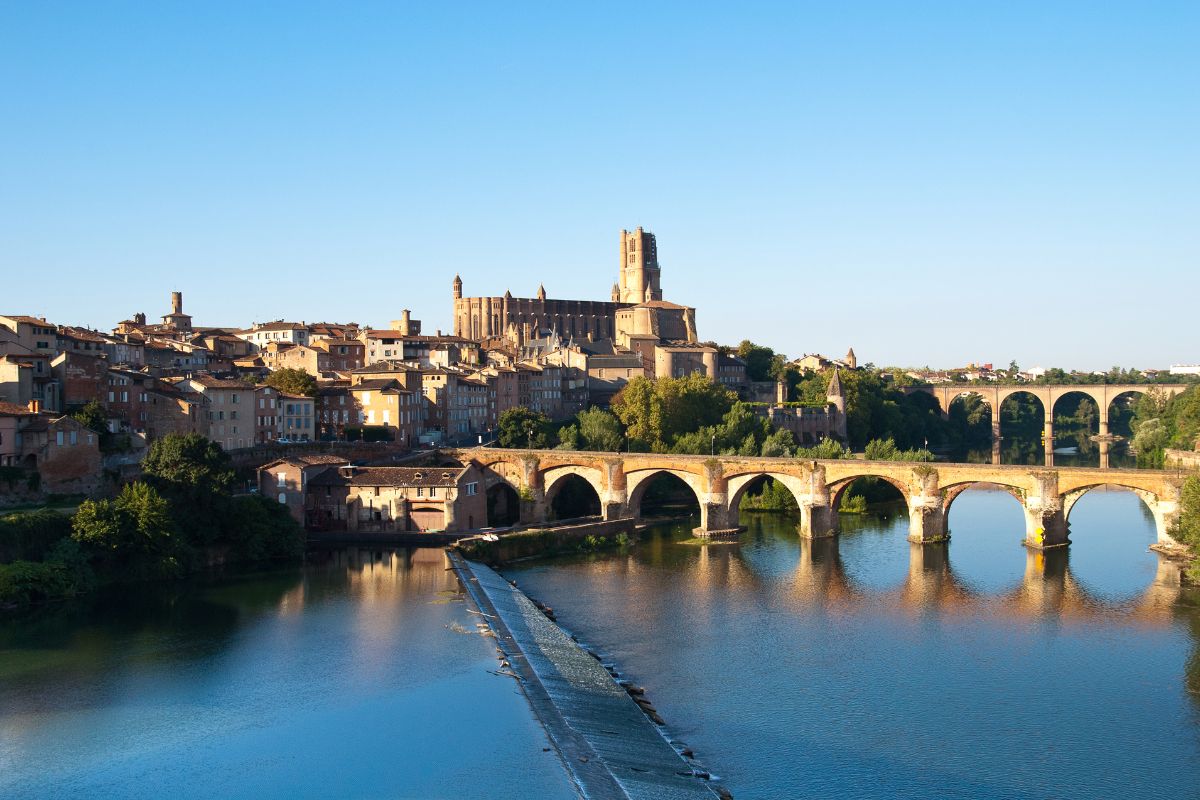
[(712, 451), (529, 430)]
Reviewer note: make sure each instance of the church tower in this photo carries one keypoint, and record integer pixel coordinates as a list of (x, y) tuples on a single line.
[(639, 280)]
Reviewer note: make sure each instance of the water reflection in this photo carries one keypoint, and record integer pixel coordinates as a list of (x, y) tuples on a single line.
[(1047, 586), (842, 652), (1071, 449), (352, 676)]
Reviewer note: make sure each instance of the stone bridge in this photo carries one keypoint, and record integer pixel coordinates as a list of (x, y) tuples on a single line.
[(1048, 394), (929, 489)]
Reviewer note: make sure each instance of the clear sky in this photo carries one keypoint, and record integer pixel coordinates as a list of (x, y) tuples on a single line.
[(932, 183)]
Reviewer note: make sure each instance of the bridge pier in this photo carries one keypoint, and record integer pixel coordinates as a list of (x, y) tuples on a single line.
[(817, 521), (1045, 527), (926, 523), (717, 520)]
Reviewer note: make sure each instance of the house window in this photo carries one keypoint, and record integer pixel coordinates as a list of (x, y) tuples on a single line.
[(281, 479), (283, 498)]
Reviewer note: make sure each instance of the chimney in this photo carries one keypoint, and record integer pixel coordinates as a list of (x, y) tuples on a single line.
[(35, 406)]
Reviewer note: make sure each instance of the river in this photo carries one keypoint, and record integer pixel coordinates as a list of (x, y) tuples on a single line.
[(858, 666), (867, 667), (358, 675)]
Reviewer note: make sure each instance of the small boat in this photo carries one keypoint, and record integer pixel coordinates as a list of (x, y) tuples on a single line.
[(1066, 451)]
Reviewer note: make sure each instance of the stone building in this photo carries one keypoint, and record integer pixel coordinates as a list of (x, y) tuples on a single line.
[(396, 499), (517, 320)]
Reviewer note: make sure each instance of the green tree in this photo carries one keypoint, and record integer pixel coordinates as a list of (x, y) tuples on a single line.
[(762, 363), (263, 530), (1187, 530), (657, 412), (137, 522), (780, 444), (830, 449), (189, 461), (290, 380), (521, 427), (600, 430), (92, 416), (568, 438)]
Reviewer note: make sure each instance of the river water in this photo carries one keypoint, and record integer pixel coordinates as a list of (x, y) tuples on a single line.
[(360, 675), (861, 667), (866, 667)]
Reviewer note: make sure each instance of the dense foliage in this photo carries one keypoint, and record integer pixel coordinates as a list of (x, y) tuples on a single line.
[(656, 413), (175, 521), (1187, 530), (1160, 422), (521, 427), (291, 380)]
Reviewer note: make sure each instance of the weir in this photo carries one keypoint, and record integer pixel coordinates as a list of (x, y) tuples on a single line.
[(610, 748)]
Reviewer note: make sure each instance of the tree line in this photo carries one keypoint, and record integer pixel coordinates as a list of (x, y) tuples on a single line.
[(180, 516)]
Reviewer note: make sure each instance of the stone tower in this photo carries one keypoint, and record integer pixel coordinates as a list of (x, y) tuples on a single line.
[(457, 288), (639, 279), (616, 293), (837, 399), (541, 293), (851, 359)]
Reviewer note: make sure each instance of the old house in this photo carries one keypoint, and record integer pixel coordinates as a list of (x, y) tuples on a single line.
[(396, 499)]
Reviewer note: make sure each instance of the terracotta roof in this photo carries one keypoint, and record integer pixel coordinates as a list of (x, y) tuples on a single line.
[(391, 476), (376, 384), (209, 382), (659, 304), (313, 460), (27, 319), (14, 410), (278, 325)]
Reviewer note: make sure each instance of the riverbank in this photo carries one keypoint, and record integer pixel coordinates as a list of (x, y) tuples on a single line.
[(608, 744)]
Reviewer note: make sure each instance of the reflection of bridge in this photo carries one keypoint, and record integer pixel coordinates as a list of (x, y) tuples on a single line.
[(1047, 586), (1048, 394), (620, 480)]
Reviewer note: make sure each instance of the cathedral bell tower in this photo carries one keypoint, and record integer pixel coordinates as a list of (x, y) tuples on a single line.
[(639, 277)]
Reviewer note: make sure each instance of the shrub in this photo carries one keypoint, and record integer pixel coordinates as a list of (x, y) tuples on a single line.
[(26, 582)]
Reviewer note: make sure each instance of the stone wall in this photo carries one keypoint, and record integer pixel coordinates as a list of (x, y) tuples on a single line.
[(1182, 459)]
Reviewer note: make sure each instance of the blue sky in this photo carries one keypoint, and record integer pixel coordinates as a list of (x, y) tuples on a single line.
[(932, 183)]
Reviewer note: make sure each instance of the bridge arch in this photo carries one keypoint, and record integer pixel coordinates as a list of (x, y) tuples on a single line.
[(837, 489), (951, 493), (571, 496), (554, 478), (499, 471), (1164, 510), (638, 481), (739, 485)]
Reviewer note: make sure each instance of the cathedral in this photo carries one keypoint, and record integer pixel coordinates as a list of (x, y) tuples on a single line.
[(636, 310)]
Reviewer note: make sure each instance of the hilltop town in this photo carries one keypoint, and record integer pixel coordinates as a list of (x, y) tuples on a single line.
[(143, 380)]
